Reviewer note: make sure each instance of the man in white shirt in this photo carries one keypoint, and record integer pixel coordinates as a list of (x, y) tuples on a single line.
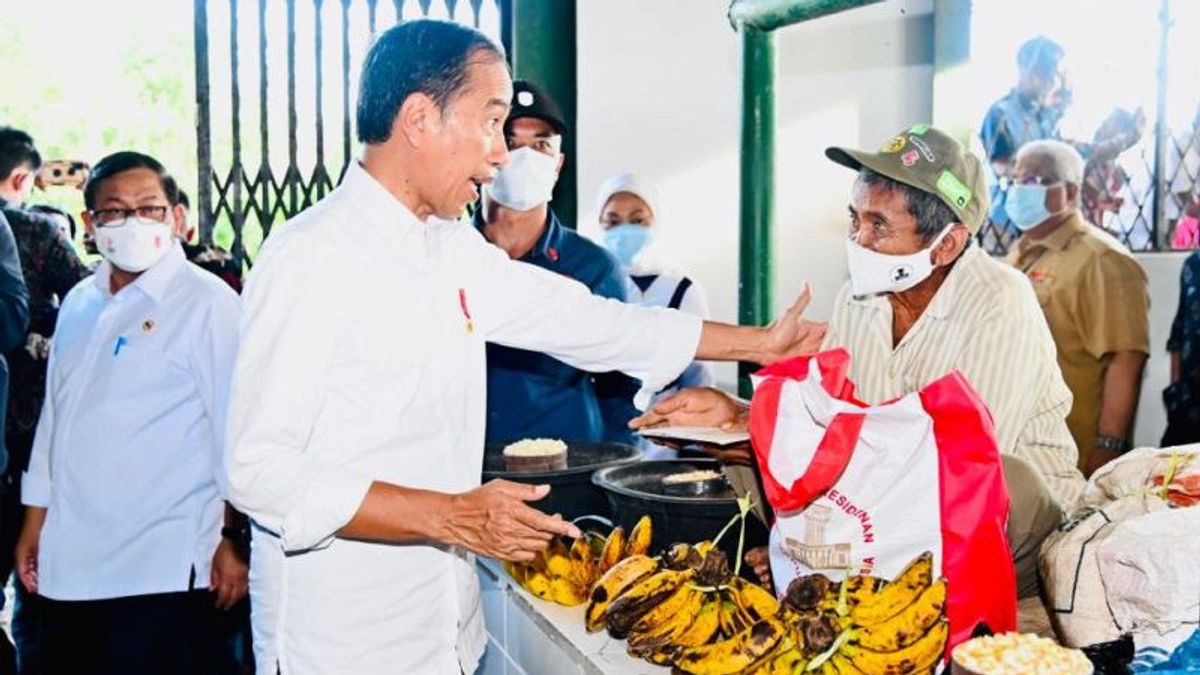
[(357, 416), (123, 534), (922, 301)]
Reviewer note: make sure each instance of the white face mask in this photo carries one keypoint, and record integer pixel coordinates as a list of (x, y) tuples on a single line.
[(872, 272), (526, 181), (136, 245)]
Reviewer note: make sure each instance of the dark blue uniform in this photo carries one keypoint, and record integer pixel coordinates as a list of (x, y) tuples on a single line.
[(531, 395)]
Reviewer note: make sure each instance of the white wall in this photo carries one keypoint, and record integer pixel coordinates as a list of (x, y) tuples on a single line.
[(659, 92), (1163, 272)]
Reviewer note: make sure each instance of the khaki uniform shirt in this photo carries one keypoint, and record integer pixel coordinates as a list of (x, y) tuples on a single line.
[(1096, 300), (985, 323)]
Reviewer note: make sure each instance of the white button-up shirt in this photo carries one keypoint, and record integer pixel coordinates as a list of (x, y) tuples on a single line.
[(127, 455), (362, 359)]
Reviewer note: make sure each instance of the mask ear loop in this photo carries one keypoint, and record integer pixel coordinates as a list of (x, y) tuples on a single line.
[(941, 236)]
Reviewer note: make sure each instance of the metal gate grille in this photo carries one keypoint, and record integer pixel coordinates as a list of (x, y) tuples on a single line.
[(1160, 174), (291, 67)]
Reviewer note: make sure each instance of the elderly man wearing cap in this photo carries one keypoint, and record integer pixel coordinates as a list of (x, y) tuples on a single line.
[(923, 301), (533, 395)]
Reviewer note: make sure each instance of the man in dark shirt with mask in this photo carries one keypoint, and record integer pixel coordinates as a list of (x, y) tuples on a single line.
[(532, 395)]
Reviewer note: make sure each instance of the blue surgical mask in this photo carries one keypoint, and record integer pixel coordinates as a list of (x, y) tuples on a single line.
[(626, 241), (1026, 206)]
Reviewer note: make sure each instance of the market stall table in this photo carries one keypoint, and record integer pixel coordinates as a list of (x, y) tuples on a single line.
[(528, 636)]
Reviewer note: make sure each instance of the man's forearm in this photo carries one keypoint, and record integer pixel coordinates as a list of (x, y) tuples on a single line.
[(723, 342), (1119, 398), (1176, 366), (398, 514)]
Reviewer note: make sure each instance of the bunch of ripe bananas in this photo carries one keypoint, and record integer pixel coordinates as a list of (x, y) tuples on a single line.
[(565, 573), (681, 607), (686, 610), (864, 624)]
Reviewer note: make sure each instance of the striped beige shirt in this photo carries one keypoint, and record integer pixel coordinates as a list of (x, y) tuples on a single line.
[(985, 322)]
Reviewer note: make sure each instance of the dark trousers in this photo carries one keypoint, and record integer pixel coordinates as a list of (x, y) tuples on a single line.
[(24, 658), (167, 634)]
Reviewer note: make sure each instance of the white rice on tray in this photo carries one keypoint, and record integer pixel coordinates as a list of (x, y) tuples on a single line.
[(536, 447), (691, 477)]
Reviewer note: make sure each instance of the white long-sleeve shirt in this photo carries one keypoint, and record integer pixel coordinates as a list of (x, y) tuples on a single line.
[(362, 359), (127, 455)]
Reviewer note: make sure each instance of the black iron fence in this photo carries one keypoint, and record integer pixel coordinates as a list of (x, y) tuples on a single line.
[(288, 69), (1150, 195)]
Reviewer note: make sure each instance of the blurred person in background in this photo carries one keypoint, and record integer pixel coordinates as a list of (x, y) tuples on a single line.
[(50, 268)]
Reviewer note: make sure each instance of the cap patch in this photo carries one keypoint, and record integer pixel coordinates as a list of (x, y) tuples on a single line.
[(895, 145), (909, 158), (953, 189), (525, 98), (926, 151), (919, 129)]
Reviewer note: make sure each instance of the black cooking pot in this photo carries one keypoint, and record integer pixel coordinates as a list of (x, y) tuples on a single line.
[(683, 512), (572, 492)]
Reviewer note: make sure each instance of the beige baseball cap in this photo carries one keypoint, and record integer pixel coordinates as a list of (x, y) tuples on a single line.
[(930, 160)]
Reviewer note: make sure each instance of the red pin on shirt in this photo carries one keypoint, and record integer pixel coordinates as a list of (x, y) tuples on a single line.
[(462, 302)]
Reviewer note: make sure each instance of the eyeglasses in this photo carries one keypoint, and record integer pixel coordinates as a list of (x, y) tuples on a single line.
[(119, 216)]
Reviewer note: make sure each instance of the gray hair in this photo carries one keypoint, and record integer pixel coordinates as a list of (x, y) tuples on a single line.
[(1064, 161), (931, 213)]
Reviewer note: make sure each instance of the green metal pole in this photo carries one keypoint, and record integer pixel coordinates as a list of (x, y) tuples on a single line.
[(757, 211), (767, 15), (541, 40)]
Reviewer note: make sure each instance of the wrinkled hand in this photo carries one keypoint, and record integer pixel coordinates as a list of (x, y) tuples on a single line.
[(494, 520), (760, 561), (230, 575), (695, 407), (792, 334)]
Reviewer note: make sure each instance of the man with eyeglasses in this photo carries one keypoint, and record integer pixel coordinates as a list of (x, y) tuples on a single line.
[(924, 300), (532, 395), (127, 537), (1094, 294)]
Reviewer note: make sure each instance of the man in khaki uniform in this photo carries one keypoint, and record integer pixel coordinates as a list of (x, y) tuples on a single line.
[(1094, 295)]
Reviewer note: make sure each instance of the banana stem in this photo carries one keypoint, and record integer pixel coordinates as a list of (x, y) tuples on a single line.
[(821, 658)]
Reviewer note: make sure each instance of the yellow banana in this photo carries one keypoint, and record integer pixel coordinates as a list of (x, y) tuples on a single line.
[(754, 600), (538, 583), (705, 627), (894, 597), (730, 615), (843, 665), (684, 597), (915, 658), (852, 592), (786, 662), (563, 592), (735, 655), (583, 566), (639, 538), (642, 597), (556, 559), (614, 549), (909, 625), (660, 626), (612, 584)]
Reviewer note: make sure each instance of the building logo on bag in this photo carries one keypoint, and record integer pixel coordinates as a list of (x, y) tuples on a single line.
[(813, 552)]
